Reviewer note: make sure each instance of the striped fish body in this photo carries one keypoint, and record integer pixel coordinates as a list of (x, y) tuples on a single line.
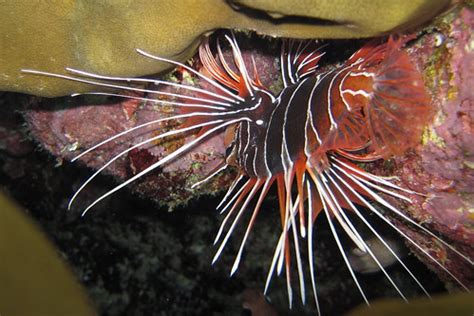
[(307, 137), (334, 111), (305, 121), (286, 132)]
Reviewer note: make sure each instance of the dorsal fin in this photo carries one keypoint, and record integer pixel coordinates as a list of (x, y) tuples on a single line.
[(219, 72), (233, 73), (299, 59)]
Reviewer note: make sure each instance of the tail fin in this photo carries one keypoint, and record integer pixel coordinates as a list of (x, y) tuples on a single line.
[(400, 105)]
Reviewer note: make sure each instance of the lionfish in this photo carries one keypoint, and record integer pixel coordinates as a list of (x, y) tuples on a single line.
[(306, 140)]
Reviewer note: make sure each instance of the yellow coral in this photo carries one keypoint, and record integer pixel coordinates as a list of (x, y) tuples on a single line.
[(101, 36), (35, 281)]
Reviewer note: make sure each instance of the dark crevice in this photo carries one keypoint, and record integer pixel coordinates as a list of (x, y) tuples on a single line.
[(258, 14)]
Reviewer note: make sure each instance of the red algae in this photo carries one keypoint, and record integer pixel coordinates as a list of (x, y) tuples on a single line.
[(442, 166)]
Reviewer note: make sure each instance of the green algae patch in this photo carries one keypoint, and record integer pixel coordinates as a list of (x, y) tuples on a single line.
[(102, 36), (430, 136)]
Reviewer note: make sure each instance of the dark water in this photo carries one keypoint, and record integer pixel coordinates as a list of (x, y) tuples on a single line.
[(137, 259)]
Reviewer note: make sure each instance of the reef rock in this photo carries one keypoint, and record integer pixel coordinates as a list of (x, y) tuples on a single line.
[(442, 167)]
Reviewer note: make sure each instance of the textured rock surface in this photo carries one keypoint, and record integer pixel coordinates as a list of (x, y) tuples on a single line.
[(442, 166), (102, 36), (63, 130)]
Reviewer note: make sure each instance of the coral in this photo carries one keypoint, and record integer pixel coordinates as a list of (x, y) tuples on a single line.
[(440, 305), (441, 166), (26, 255), (102, 36)]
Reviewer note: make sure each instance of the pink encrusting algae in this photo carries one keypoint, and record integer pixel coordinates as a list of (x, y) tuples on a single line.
[(305, 140)]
